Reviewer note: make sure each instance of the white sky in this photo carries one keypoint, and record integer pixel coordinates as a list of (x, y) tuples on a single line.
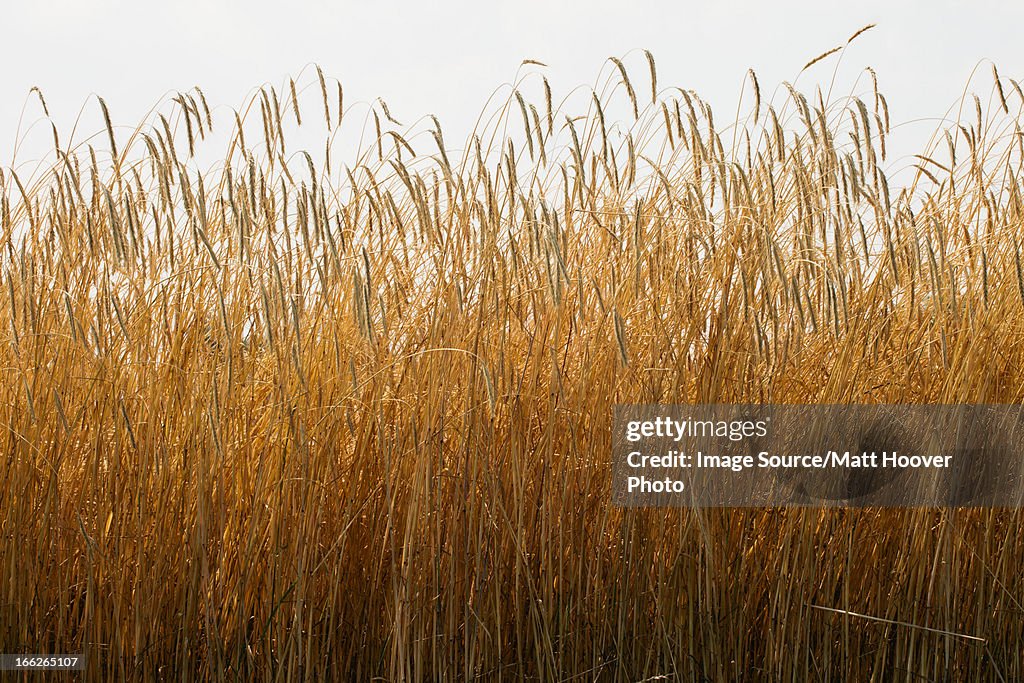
[(447, 58)]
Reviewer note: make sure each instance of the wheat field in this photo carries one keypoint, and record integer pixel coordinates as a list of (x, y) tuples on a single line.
[(324, 415)]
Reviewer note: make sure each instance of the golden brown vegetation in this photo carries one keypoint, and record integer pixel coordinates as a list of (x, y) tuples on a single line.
[(278, 420)]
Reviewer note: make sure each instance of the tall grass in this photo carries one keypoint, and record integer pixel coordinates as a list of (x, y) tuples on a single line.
[(347, 416)]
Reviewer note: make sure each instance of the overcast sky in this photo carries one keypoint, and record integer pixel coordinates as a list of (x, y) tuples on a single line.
[(446, 58)]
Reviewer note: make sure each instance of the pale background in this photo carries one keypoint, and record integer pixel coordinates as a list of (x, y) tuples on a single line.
[(447, 58)]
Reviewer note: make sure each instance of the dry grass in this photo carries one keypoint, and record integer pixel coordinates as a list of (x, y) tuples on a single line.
[(276, 420)]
